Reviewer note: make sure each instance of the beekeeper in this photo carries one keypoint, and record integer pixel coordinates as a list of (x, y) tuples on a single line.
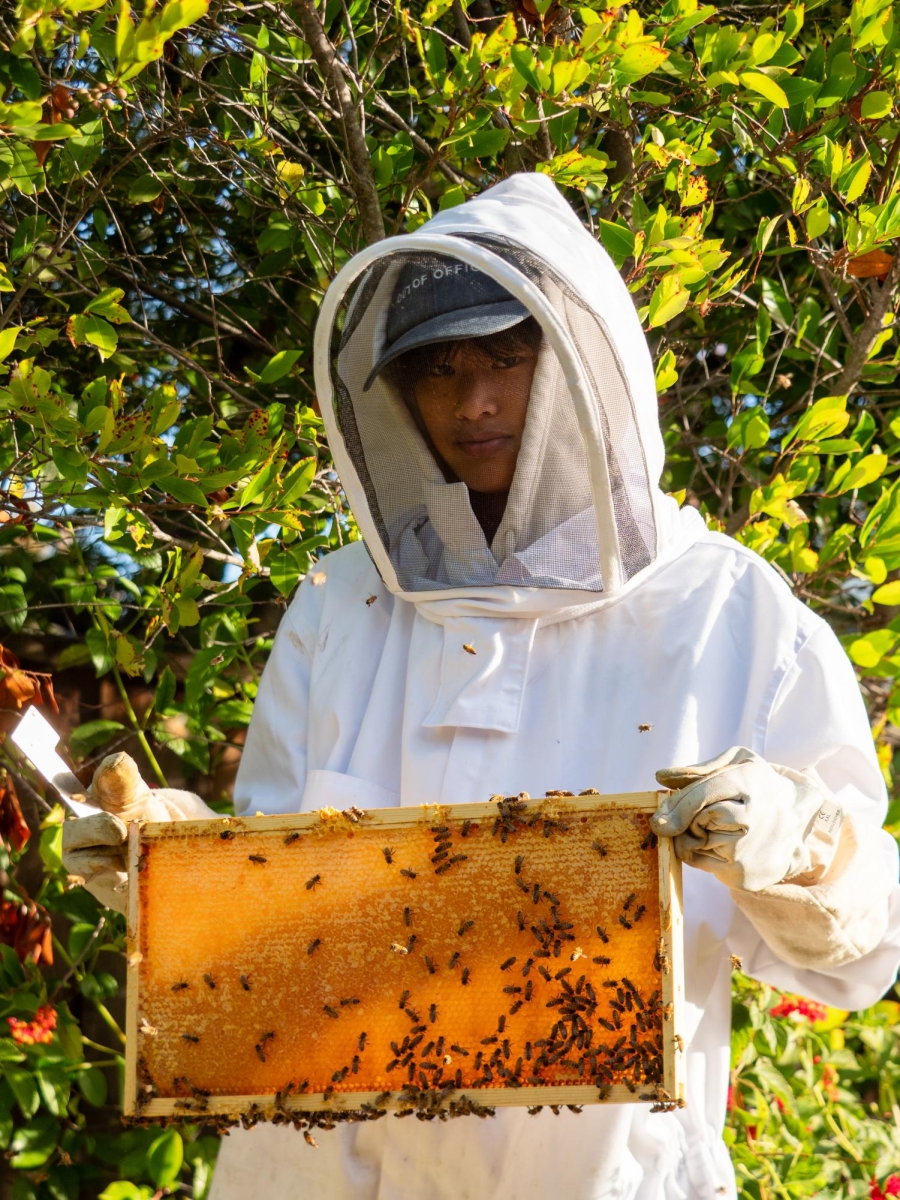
[(529, 611)]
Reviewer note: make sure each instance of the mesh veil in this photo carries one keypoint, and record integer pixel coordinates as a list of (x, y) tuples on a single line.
[(425, 517)]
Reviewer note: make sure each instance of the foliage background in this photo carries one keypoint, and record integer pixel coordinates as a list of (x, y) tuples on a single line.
[(177, 187)]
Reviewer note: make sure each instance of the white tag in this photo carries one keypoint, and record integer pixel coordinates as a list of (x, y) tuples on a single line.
[(36, 737), (829, 817)]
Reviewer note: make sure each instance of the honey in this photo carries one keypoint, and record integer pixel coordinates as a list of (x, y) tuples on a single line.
[(426, 959)]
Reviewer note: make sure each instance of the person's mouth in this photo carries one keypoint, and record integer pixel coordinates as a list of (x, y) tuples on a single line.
[(484, 445)]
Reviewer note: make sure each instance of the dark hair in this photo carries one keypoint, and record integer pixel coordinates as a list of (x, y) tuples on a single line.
[(406, 371)]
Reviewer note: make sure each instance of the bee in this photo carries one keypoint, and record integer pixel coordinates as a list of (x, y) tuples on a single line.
[(528, 965), (602, 934), (354, 1066), (328, 1093), (313, 945), (628, 902), (625, 924), (260, 1052), (464, 978), (432, 1013), (370, 601), (515, 1008), (562, 973), (600, 848), (601, 961), (412, 941), (257, 858), (523, 887), (650, 842), (546, 974), (408, 873), (454, 959), (553, 899), (403, 998), (392, 1065), (501, 1025), (398, 949), (469, 648), (180, 987), (190, 1037), (292, 837), (361, 1043), (459, 858), (536, 893), (679, 1042), (466, 826), (331, 1012), (639, 912), (208, 979), (245, 983), (736, 963), (520, 858), (521, 920), (465, 927), (430, 965), (227, 834), (388, 853), (504, 966), (459, 1050), (338, 1076), (444, 867), (314, 882), (349, 1000), (310, 1140)]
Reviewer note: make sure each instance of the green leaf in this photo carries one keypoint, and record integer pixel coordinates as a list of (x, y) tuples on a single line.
[(876, 105), (866, 471), (146, 188), (639, 60), (888, 593), (33, 1144), (87, 737), (84, 329), (24, 1088), (668, 300), (618, 240), (298, 481), (765, 86), (521, 58), (666, 372), (165, 1157), (92, 1085), (8, 340), (182, 490), (279, 365)]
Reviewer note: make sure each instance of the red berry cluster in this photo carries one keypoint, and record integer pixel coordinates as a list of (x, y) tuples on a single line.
[(36, 1032), (890, 1187), (796, 1004)]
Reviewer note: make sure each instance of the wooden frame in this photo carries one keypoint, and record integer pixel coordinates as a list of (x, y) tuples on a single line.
[(263, 1105)]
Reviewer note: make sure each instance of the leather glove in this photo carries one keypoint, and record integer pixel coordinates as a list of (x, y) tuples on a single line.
[(93, 847), (749, 822)]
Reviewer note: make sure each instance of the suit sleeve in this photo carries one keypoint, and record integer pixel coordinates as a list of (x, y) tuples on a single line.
[(837, 940), (272, 772)]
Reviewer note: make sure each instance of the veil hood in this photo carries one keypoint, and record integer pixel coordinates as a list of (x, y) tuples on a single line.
[(585, 519)]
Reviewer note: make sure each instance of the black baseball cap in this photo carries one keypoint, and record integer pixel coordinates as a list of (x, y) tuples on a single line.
[(440, 299)]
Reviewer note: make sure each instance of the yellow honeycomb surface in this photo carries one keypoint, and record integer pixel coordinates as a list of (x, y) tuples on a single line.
[(441, 955)]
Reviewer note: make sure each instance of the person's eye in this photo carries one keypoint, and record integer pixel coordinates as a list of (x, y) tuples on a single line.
[(507, 363), (440, 370)]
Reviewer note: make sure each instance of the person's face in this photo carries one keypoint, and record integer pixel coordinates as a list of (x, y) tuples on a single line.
[(474, 409)]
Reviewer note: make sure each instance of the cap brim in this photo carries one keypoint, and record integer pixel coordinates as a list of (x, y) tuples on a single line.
[(480, 321)]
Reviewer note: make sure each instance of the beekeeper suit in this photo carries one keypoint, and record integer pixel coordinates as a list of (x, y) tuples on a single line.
[(589, 635)]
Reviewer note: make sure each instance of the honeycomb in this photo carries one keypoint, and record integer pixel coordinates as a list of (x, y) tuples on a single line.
[(512, 953)]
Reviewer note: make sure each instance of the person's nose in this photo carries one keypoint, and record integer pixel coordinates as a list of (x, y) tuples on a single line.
[(477, 397)]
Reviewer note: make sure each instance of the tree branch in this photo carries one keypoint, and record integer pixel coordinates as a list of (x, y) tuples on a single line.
[(361, 178), (863, 341)]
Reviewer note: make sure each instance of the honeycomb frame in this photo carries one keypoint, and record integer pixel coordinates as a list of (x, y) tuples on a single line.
[(292, 880)]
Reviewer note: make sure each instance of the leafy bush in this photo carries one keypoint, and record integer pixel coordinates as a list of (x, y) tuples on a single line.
[(176, 190)]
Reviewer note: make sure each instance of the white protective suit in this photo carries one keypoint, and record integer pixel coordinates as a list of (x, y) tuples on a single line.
[(691, 644)]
